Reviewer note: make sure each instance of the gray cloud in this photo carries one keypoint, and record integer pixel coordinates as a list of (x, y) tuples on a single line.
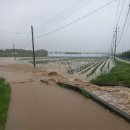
[(93, 33)]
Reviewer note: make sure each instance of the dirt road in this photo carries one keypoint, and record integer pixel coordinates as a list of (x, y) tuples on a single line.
[(37, 106)]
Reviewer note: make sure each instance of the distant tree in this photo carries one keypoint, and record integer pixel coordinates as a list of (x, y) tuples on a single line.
[(22, 53), (125, 54), (42, 53), (73, 52)]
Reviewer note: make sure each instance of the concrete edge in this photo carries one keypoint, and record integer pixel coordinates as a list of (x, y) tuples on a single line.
[(86, 93)]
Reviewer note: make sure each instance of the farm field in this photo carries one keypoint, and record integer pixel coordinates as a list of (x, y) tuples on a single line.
[(118, 76), (84, 69)]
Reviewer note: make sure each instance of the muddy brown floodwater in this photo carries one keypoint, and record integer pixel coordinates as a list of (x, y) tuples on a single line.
[(52, 108), (37, 106)]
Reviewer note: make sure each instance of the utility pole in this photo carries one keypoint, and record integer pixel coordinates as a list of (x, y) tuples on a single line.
[(115, 42), (112, 46), (14, 52), (34, 63)]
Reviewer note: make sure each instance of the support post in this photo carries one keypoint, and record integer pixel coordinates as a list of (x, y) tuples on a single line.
[(34, 63), (14, 52), (115, 43)]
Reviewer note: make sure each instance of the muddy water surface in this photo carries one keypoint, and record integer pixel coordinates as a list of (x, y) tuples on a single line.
[(52, 108), (37, 106)]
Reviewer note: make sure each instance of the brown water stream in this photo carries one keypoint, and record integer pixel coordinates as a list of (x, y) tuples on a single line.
[(52, 108)]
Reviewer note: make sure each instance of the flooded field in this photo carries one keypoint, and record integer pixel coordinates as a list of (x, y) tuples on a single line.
[(35, 105), (82, 68)]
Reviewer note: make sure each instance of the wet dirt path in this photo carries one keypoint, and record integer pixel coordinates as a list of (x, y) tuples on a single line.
[(36, 106)]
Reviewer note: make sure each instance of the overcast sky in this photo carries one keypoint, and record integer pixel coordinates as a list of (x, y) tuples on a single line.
[(93, 33)]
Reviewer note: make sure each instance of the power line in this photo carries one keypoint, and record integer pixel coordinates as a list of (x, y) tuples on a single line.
[(124, 33), (125, 36), (117, 11), (77, 20), (124, 25), (126, 9), (123, 3), (115, 24), (114, 46), (14, 33), (60, 19), (62, 14), (24, 40), (79, 4), (53, 18), (26, 44)]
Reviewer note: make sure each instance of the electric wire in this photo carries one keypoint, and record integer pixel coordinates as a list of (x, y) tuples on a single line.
[(117, 11), (59, 20), (54, 17), (65, 13), (77, 20), (26, 44), (125, 37), (123, 3), (124, 25), (12, 33)]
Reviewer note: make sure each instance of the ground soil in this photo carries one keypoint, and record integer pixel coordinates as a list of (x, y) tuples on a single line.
[(42, 106)]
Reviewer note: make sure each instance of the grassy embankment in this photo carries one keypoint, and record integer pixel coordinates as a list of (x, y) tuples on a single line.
[(4, 102), (120, 75)]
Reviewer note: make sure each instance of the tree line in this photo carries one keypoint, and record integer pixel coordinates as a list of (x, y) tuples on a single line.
[(125, 54), (22, 53)]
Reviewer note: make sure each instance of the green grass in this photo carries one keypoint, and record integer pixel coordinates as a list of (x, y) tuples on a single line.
[(4, 102), (119, 75)]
